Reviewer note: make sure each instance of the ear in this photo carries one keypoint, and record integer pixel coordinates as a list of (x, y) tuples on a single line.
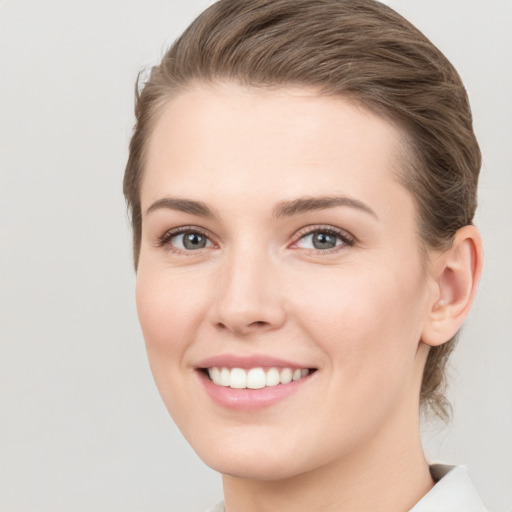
[(455, 273)]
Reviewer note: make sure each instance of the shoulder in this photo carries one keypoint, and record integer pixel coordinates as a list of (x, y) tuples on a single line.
[(453, 492)]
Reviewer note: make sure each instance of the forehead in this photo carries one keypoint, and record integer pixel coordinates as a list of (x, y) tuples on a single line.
[(285, 138)]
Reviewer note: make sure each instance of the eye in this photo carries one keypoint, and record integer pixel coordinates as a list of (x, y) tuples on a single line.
[(319, 240), (185, 240), (189, 241), (324, 239)]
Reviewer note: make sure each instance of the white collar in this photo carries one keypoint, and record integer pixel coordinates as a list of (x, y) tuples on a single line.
[(453, 492)]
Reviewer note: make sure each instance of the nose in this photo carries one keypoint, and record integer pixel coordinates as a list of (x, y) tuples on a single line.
[(249, 297)]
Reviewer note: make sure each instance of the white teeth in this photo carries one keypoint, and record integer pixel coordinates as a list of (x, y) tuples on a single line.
[(225, 377), (215, 374), (272, 377), (238, 378), (255, 378), (286, 375)]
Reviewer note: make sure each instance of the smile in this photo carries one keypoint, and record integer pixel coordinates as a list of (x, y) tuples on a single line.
[(251, 382), (254, 378)]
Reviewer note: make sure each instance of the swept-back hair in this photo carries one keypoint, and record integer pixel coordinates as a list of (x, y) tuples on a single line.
[(358, 49)]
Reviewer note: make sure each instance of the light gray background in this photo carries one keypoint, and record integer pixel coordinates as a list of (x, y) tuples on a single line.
[(82, 425)]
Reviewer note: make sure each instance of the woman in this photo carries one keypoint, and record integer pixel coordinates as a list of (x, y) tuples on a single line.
[(302, 182)]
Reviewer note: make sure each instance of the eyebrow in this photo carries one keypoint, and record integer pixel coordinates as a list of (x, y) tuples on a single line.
[(308, 204), (182, 205), (282, 209)]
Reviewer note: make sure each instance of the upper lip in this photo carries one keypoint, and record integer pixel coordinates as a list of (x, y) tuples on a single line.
[(247, 362)]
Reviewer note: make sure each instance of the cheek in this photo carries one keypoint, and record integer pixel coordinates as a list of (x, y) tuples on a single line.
[(168, 307), (367, 320), (170, 311), (369, 332)]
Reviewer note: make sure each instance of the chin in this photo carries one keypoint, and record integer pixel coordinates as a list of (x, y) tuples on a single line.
[(256, 469), (265, 461)]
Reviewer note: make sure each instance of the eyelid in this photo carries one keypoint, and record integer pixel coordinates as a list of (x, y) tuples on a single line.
[(347, 238), (165, 239)]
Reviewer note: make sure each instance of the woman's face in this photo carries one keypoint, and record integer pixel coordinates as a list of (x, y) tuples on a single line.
[(277, 244)]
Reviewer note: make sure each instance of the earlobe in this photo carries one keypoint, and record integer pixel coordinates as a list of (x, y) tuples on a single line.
[(456, 273)]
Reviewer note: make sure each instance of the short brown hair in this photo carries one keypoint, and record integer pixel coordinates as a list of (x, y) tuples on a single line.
[(358, 49)]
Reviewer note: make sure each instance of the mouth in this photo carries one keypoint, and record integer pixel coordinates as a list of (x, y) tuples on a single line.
[(254, 378), (252, 382)]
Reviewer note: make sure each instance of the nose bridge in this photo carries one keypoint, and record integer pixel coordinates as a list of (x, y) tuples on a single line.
[(248, 298)]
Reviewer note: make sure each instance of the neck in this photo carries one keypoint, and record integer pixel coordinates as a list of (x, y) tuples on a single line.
[(390, 473)]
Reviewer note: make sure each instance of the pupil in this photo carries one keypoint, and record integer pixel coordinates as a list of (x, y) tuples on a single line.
[(324, 241), (194, 241)]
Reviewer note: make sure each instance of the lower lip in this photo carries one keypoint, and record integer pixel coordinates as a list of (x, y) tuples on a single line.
[(250, 399)]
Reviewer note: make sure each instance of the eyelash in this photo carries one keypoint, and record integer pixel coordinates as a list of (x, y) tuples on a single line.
[(347, 240), (165, 239)]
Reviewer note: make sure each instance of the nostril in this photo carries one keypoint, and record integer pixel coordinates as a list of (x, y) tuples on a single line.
[(259, 323), (242, 328)]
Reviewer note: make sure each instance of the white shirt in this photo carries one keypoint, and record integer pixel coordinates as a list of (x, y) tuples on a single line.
[(453, 492)]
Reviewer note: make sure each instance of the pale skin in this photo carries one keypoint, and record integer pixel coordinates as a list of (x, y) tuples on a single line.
[(232, 168)]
